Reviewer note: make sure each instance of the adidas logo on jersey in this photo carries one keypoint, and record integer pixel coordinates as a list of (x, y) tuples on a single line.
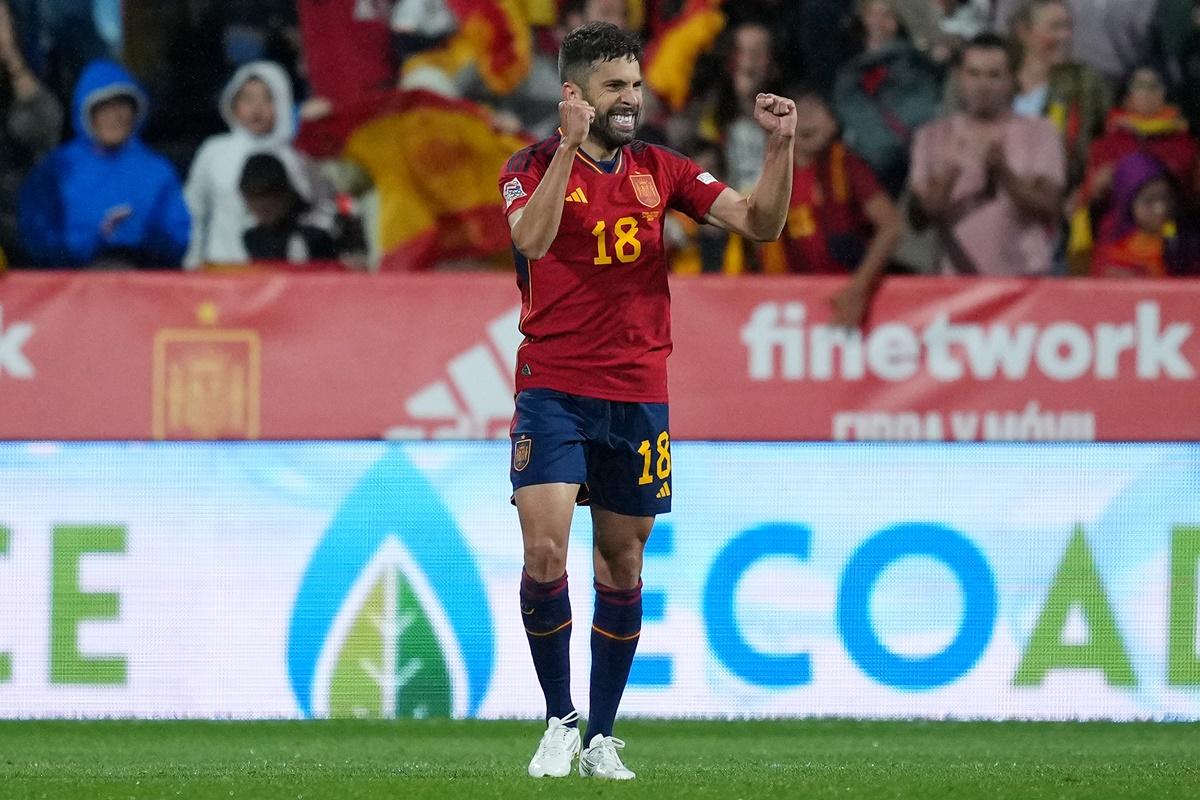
[(665, 491), (577, 196), (476, 399)]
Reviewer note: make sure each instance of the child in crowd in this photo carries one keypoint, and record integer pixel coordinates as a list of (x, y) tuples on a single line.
[(1141, 237), (1144, 122), (257, 105), (282, 232)]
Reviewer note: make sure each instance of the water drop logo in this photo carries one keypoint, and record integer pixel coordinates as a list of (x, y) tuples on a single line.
[(391, 619)]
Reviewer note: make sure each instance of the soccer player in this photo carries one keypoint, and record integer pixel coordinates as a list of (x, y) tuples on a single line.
[(585, 208)]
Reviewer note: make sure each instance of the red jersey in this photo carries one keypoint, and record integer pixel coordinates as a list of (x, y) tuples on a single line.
[(596, 308), (827, 230)]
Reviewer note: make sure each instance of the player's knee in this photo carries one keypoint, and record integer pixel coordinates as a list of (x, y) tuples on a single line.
[(624, 568), (545, 559)]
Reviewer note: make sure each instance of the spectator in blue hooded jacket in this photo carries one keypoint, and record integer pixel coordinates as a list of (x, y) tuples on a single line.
[(105, 198)]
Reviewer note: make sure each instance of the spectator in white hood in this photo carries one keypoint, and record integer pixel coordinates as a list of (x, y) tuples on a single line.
[(257, 105)]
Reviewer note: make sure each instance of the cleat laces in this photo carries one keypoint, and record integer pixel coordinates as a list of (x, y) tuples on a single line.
[(557, 741), (603, 758)]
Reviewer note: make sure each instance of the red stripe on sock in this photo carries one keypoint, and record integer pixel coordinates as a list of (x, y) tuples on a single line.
[(543, 591), (619, 597)]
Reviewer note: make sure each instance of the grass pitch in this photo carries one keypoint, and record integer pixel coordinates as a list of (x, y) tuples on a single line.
[(476, 760)]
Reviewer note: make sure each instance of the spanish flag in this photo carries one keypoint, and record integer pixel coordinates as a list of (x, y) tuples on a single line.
[(671, 58), (500, 38), (434, 162)]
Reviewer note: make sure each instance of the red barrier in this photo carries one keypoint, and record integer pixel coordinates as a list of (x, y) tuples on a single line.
[(326, 356)]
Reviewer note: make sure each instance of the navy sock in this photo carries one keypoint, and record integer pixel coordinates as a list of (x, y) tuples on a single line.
[(546, 613), (616, 627)]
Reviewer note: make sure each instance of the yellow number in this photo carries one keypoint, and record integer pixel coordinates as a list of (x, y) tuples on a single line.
[(627, 246), (663, 467), (645, 452), (602, 257)]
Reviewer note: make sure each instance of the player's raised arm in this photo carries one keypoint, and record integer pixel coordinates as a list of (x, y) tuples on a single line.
[(761, 214), (535, 226)]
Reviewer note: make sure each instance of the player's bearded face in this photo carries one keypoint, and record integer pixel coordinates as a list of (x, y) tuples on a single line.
[(615, 126), (615, 91)]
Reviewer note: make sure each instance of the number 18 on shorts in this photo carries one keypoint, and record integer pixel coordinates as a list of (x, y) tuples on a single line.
[(619, 453)]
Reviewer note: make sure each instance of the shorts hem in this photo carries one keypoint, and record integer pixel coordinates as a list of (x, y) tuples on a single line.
[(626, 512)]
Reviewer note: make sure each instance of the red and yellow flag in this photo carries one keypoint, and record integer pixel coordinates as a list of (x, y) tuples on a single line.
[(671, 58), (434, 162), (500, 38)]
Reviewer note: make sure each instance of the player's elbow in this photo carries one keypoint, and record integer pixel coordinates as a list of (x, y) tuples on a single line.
[(529, 243), (763, 233), (763, 225), (531, 250)]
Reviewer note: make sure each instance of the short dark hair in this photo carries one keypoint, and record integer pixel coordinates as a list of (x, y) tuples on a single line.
[(595, 41), (264, 174), (992, 41)]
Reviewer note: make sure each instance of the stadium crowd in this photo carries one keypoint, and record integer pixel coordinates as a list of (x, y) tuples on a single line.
[(1003, 137)]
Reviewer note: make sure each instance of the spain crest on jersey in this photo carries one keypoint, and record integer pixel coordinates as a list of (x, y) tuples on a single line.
[(645, 190)]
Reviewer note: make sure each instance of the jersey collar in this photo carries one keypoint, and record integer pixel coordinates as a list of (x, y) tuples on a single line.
[(594, 164)]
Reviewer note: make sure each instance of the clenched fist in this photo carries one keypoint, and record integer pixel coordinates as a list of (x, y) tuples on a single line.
[(576, 118), (776, 115)]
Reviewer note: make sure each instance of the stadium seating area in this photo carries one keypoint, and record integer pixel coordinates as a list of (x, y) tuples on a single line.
[(365, 121)]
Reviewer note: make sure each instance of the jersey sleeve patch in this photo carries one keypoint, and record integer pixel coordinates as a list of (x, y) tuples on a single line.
[(512, 191), (695, 189)]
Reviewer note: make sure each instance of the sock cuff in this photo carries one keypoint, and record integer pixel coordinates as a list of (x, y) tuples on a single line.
[(618, 597), (542, 591)]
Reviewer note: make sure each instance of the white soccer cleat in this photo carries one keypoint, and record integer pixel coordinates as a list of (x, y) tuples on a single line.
[(601, 760), (559, 745)]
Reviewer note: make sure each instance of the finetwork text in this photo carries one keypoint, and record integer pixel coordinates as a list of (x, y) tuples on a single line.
[(781, 346)]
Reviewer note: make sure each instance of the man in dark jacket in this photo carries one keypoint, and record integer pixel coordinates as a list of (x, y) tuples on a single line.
[(884, 94)]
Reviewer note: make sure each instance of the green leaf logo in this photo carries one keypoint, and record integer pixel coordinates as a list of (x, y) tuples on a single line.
[(391, 652)]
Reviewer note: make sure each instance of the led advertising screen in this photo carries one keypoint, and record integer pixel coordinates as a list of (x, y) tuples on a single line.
[(380, 580)]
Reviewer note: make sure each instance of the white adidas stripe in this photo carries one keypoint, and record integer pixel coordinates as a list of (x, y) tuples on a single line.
[(477, 399)]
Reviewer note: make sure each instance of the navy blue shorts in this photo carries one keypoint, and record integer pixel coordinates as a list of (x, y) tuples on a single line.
[(619, 453)]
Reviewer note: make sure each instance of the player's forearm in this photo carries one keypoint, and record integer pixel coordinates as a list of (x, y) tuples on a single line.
[(535, 231), (767, 205)]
